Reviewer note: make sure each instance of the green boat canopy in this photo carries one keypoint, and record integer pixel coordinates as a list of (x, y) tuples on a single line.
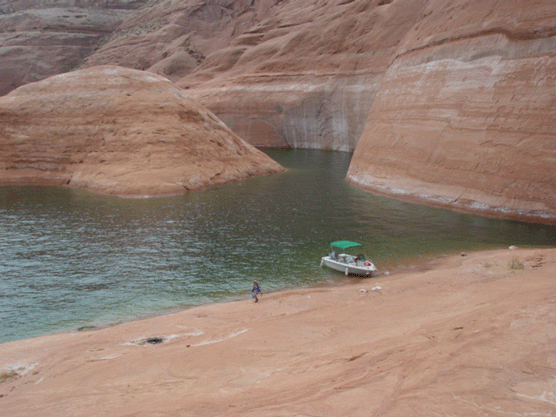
[(345, 244)]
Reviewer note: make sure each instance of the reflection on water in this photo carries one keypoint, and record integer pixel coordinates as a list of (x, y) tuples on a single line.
[(72, 259)]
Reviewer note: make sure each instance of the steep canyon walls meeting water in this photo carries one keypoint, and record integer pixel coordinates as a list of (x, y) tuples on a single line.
[(119, 132), (72, 259), (137, 207), (447, 103)]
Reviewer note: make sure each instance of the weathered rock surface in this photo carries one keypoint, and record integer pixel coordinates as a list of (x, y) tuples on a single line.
[(447, 102), (307, 74), (171, 37), (40, 38), (118, 131), (465, 116), (300, 74)]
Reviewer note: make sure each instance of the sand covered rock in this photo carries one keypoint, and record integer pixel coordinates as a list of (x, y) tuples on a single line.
[(464, 116), (119, 131), (460, 336)]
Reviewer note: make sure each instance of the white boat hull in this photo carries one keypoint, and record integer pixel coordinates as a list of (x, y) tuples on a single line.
[(350, 267)]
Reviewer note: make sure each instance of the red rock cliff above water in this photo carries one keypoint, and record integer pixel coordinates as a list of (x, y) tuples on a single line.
[(445, 102), (118, 131), (465, 116)]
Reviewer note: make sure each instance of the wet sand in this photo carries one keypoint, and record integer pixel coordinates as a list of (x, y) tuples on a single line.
[(464, 335)]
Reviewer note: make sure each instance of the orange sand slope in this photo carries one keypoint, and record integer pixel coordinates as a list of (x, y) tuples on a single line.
[(473, 335)]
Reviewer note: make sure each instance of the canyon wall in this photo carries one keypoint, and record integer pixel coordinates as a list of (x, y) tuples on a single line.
[(443, 102), (40, 38), (294, 74), (118, 131), (172, 37), (280, 74), (465, 116), (305, 76)]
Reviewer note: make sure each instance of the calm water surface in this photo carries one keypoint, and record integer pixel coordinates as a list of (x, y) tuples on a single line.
[(71, 259)]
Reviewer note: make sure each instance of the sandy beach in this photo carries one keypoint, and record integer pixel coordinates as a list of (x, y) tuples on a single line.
[(460, 335)]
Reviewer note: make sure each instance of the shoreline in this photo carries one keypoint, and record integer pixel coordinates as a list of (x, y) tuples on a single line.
[(472, 328), (473, 207), (417, 263), (402, 265)]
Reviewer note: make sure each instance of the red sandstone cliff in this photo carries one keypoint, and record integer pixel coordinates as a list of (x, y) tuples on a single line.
[(172, 37), (445, 102), (40, 38), (295, 73), (307, 74), (465, 116), (121, 132), (449, 103)]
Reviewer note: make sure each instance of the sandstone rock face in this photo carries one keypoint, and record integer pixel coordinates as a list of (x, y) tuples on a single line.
[(118, 131), (300, 74), (306, 75), (465, 116), (40, 38), (171, 37), (445, 102)]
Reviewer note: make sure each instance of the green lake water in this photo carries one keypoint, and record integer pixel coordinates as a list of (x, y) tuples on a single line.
[(72, 259)]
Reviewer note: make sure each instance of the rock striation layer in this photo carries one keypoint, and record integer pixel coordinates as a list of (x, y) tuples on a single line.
[(119, 131), (443, 102), (306, 75), (465, 116), (40, 38)]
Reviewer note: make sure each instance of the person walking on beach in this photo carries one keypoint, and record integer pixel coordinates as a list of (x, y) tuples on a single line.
[(256, 291)]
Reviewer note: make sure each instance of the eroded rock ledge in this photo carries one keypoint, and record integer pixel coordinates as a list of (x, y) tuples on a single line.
[(119, 131)]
